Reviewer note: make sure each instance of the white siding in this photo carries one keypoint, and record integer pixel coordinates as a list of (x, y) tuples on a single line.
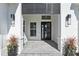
[(3, 18), (11, 10), (3, 25), (72, 30)]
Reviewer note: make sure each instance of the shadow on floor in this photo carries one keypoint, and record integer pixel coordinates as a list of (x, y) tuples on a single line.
[(52, 43), (77, 54)]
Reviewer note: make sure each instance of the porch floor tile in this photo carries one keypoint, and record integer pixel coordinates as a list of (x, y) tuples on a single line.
[(39, 48)]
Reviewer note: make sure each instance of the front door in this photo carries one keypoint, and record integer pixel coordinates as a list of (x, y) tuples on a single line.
[(46, 30)]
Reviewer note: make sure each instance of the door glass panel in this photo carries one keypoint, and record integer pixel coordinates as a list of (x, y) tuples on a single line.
[(23, 25), (42, 31), (46, 30)]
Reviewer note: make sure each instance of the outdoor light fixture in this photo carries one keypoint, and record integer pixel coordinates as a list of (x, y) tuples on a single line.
[(68, 20), (13, 19)]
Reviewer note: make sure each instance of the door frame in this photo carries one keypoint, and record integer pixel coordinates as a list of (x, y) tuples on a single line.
[(50, 29)]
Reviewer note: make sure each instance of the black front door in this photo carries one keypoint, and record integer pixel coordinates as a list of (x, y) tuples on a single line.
[(46, 30)]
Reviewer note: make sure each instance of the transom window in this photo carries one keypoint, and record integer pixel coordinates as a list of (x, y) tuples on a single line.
[(46, 17), (33, 29)]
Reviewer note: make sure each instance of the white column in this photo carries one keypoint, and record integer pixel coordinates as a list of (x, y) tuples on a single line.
[(19, 27)]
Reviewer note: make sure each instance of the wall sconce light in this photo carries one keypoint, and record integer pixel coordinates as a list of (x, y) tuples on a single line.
[(68, 20), (13, 19)]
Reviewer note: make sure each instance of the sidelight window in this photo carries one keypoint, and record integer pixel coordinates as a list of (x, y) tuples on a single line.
[(33, 29)]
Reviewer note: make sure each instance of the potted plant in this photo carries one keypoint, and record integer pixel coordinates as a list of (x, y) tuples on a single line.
[(70, 47), (12, 47)]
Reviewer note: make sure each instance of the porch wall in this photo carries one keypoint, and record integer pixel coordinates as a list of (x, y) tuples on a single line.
[(37, 18)]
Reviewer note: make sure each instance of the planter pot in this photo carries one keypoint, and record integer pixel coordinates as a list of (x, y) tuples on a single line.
[(70, 52), (12, 51)]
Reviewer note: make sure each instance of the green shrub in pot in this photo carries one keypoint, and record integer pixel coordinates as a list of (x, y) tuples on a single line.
[(70, 47), (12, 47)]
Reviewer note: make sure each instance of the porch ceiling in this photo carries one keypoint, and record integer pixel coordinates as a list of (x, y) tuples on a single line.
[(40, 8)]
